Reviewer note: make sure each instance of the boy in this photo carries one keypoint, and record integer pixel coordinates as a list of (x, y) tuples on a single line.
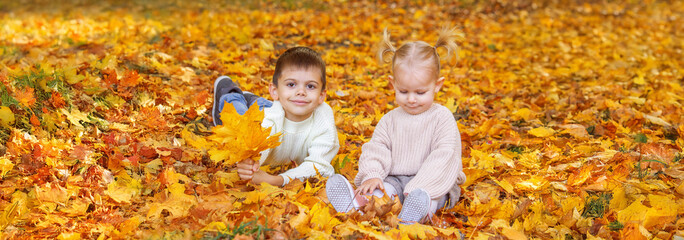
[(298, 110)]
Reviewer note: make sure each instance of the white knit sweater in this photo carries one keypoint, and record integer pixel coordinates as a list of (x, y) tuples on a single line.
[(311, 143), (427, 145)]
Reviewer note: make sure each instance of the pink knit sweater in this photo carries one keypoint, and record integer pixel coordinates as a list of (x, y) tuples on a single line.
[(427, 145)]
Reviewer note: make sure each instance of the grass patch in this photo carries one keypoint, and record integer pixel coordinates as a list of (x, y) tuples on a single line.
[(251, 228), (615, 226), (596, 205), (516, 149)]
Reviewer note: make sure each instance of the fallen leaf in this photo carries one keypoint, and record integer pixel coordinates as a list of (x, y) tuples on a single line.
[(541, 132), (6, 116)]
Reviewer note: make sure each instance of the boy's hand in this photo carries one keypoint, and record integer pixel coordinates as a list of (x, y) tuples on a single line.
[(261, 176), (370, 185), (246, 168)]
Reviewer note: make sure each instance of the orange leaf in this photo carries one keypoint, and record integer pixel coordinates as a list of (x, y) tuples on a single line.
[(631, 232), (109, 77), (130, 79), (34, 120), (57, 100), (26, 97), (581, 176)]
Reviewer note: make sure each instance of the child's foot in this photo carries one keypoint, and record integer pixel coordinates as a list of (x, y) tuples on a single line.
[(222, 85), (415, 207), (250, 98), (340, 193)]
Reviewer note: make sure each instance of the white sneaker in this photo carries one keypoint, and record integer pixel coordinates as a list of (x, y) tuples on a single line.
[(415, 207), (340, 193)]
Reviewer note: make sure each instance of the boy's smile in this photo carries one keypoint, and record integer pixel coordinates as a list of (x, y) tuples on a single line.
[(300, 92)]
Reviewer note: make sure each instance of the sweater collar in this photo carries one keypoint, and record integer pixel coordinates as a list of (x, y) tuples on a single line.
[(295, 127)]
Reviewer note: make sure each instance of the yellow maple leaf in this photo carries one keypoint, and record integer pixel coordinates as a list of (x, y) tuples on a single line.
[(634, 212), (177, 203), (240, 137), (513, 234), (301, 222), (15, 210), (215, 227), (524, 114), (664, 210), (55, 193), (575, 130), (123, 189), (532, 184), (321, 218), (5, 166), (541, 132), (6, 116), (418, 231), (130, 225), (69, 236), (619, 200), (76, 207), (506, 186)]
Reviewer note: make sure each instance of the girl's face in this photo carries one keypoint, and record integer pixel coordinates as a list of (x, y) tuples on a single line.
[(415, 88)]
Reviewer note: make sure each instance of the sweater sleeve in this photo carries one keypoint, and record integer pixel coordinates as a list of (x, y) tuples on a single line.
[(322, 149), (273, 118), (376, 155), (442, 168)]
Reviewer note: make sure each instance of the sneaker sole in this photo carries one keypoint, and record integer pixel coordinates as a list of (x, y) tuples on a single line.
[(215, 108), (340, 193), (415, 207)]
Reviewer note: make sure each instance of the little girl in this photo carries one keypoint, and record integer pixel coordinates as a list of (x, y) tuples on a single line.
[(415, 150)]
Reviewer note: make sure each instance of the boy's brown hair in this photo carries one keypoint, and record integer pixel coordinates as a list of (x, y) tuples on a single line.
[(299, 57)]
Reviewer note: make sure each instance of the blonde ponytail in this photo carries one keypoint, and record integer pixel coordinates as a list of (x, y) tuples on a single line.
[(447, 39), (385, 50)]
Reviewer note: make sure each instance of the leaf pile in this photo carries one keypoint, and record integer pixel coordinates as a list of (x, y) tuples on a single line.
[(570, 115)]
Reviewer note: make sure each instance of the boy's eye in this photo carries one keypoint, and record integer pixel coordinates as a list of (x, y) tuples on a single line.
[(290, 84), (311, 86)]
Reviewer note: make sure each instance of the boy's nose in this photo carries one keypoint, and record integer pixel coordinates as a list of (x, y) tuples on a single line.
[(301, 91)]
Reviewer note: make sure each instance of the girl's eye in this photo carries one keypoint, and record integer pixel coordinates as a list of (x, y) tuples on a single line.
[(421, 93), (290, 84), (403, 92)]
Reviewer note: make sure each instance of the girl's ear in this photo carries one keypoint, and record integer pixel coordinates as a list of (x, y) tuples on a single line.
[(439, 83), (272, 90), (391, 81)]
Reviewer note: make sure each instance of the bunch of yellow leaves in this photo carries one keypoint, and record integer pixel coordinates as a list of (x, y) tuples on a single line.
[(240, 137)]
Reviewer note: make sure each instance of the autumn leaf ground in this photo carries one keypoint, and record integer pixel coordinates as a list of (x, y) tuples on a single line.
[(570, 115)]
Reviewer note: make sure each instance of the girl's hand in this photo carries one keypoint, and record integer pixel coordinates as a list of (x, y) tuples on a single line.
[(246, 168), (369, 186)]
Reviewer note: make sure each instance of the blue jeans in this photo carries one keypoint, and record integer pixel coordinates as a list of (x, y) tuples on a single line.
[(240, 103)]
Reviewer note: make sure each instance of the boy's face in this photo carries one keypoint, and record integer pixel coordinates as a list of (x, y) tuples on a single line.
[(300, 92), (415, 90)]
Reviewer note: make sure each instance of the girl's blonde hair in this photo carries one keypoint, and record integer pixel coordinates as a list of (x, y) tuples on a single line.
[(419, 53)]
